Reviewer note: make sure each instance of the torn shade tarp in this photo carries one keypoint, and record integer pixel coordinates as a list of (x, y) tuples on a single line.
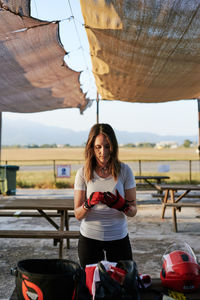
[(144, 51), (33, 74)]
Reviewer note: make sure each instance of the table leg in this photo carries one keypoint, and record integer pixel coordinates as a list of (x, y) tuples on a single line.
[(159, 191), (164, 202), (67, 227), (62, 222), (153, 185), (173, 211)]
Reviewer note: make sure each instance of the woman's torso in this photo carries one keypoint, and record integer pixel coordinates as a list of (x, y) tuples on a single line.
[(101, 222)]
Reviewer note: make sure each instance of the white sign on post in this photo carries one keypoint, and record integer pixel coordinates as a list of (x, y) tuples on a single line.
[(64, 171), (164, 168)]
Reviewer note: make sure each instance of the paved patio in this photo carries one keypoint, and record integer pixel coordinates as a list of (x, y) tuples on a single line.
[(149, 235)]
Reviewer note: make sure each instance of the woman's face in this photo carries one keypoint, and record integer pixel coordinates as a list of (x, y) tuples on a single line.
[(101, 150)]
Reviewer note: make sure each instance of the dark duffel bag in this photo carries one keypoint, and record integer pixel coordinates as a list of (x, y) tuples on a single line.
[(50, 279), (110, 289)]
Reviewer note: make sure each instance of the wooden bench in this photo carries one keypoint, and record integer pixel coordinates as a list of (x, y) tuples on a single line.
[(19, 214), (40, 234), (175, 202), (56, 235), (178, 206), (190, 196), (46, 207), (144, 186)]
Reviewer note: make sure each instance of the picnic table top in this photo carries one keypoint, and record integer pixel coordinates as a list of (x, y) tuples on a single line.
[(53, 203), (179, 187), (152, 177)]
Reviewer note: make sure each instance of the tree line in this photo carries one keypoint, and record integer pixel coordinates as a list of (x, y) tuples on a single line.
[(187, 144)]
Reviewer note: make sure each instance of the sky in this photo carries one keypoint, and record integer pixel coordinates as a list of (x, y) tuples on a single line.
[(169, 118)]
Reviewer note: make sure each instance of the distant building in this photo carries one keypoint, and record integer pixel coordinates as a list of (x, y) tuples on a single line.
[(60, 146), (166, 144)]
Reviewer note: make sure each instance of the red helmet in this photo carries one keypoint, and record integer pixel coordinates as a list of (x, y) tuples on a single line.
[(180, 269)]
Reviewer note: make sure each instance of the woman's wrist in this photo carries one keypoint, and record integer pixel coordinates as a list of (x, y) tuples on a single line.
[(85, 208)]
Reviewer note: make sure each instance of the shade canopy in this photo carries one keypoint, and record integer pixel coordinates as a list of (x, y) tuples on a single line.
[(144, 51), (33, 74)]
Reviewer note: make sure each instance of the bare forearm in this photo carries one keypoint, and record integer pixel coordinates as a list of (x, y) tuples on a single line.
[(80, 212), (130, 196)]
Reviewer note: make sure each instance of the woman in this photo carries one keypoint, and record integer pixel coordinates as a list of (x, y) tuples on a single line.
[(104, 194)]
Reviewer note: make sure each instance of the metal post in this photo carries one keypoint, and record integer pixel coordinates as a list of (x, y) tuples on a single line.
[(54, 170), (97, 108), (0, 134), (140, 168), (198, 103), (190, 171)]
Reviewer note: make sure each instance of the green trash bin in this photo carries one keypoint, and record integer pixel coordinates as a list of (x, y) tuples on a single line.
[(8, 179)]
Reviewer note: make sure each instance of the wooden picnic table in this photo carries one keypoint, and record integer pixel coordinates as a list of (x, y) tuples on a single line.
[(174, 201), (42, 205), (152, 181)]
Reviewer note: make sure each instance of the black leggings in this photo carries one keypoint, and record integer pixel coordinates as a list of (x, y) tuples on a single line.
[(91, 251)]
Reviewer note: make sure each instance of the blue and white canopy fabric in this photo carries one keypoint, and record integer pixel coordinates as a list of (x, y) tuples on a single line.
[(33, 74), (144, 51)]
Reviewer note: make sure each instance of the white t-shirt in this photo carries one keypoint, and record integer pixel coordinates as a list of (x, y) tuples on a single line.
[(102, 222)]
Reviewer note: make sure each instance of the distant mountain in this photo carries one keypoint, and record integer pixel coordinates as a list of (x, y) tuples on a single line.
[(28, 132)]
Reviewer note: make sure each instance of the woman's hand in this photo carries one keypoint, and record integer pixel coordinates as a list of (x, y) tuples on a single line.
[(82, 205), (94, 199), (114, 201), (127, 205)]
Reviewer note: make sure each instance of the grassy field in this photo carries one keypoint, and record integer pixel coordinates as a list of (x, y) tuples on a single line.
[(77, 154), (46, 179)]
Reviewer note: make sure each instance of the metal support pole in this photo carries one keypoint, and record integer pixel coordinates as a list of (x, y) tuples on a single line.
[(198, 103), (190, 171), (140, 167), (54, 170), (97, 108), (0, 135)]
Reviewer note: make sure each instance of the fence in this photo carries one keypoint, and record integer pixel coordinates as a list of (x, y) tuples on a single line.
[(188, 169)]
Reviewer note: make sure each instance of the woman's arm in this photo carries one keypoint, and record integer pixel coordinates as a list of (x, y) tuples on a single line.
[(130, 196), (79, 209)]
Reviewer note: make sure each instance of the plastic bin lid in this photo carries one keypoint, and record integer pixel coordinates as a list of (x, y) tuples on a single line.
[(10, 167)]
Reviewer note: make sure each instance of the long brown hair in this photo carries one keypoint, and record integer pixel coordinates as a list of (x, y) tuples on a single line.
[(90, 160)]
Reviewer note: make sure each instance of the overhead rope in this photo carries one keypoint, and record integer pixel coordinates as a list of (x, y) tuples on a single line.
[(82, 49), (198, 103), (78, 34)]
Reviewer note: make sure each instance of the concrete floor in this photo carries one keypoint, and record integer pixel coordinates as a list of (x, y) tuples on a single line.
[(149, 235)]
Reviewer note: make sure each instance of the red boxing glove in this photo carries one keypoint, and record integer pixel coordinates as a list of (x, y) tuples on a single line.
[(94, 198), (115, 201)]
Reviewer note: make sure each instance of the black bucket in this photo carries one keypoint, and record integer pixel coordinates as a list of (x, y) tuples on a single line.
[(46, 279)]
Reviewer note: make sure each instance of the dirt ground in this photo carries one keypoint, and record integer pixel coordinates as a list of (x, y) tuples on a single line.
[(149, 235)]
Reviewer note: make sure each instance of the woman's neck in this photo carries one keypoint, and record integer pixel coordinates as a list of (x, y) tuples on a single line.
[(102, 170)]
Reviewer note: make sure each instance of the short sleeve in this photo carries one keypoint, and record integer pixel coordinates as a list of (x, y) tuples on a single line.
[(129, 178), (79, 183)]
